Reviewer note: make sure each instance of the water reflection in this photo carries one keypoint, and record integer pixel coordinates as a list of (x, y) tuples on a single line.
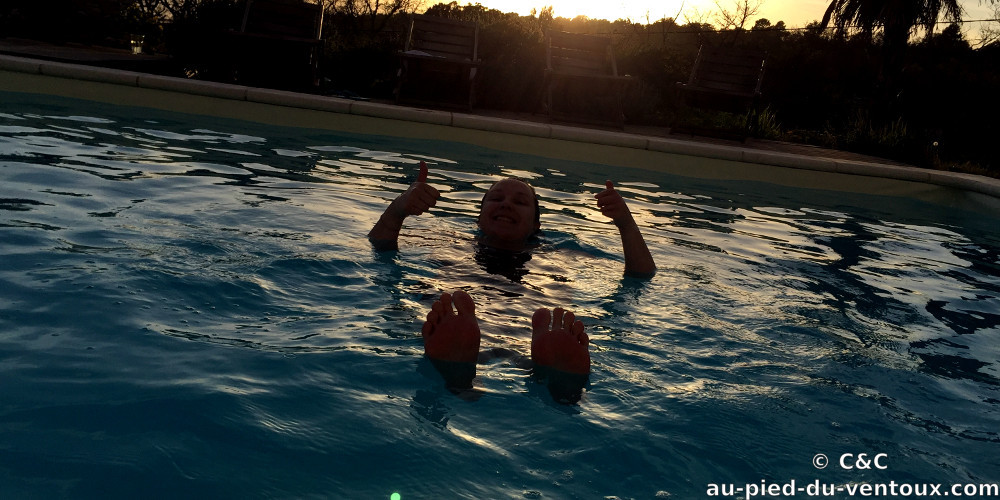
[(166, 251), (850, 274)]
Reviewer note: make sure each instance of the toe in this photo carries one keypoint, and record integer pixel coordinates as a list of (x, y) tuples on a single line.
[(433, 318), (580, 335), (568, 319), (557, 318), (464, 303), (446, 303), (540, 321)]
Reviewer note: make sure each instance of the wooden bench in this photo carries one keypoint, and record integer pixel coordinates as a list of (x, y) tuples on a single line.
[(440, 55), (581, 79), (726, 80), (280, 42)]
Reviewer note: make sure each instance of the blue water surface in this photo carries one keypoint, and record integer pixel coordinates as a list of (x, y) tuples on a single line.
[(189, 308)]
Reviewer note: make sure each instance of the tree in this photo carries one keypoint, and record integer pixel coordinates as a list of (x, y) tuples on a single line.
[(991, 31), (740, 14), (896, 19), (378, 13)]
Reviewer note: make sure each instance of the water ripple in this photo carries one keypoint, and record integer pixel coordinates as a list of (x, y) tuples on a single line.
[(205, 288)]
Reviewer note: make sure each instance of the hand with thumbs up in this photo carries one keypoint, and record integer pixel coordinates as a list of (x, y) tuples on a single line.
[(417, 199), (612, 205), (638, 260)]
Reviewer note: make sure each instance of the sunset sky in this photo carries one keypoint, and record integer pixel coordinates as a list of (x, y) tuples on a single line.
[(795, 13)]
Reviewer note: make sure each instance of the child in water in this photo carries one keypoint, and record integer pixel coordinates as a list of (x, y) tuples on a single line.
[(508, 219)]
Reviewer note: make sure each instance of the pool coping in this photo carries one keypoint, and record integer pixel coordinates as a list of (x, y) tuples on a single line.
[(958, 180)]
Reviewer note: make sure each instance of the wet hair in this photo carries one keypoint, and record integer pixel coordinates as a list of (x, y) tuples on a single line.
[(534, 196)]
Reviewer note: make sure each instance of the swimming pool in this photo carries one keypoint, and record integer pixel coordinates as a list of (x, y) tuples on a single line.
[(190, 308)]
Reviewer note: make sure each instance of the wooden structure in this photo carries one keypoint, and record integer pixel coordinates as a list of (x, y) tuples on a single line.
[(279, 43), (727, 80), (439, 62), (581, 79)]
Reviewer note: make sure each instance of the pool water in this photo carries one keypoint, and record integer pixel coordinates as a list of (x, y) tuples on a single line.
[(189, 308)]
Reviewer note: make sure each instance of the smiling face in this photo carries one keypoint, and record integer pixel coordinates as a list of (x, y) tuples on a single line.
[(509, 214)]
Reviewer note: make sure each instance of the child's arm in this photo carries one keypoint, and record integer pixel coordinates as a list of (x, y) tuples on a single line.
[(638, 260)]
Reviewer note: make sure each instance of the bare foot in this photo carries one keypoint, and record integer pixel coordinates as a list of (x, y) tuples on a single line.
[(449, 336), (564, 347)]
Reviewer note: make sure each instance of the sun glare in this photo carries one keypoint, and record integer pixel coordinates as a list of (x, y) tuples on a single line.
[(596, 9), (794, 13), (618, 9), (684, 11)]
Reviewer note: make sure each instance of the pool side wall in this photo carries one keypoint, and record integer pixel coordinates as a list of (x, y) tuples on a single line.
[(679, 157)]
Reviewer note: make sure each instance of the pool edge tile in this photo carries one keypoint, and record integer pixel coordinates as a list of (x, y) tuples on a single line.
[(602, 137), (20, 64), (297, 100), (89, 73), (195, 87), (790, 160), (501, 125), (391, 111), (674, 146), (969, 182), (879, 170)]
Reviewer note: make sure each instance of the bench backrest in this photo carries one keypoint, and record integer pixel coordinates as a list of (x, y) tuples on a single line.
[(442, 37), (728, 70), (581, 54)]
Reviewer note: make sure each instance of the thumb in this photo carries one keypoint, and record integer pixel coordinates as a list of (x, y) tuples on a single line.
[(422, 176), (608, 184)]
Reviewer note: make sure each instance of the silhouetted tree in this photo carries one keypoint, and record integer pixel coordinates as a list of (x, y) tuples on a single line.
[(896, 19), (737, 17), (378, 13), (991, 31)]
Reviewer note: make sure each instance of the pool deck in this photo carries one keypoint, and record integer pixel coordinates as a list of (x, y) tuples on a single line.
[(106, 66)]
